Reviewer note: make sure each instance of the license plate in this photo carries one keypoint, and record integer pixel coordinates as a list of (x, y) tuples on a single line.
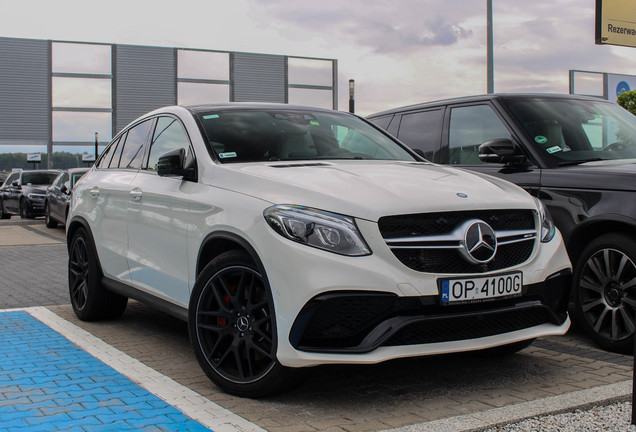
[(476, 289)]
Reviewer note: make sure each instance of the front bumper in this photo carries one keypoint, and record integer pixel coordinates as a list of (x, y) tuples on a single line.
[(360, 322)]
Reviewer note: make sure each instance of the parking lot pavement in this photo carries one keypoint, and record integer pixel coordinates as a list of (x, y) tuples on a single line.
[(454, 392)]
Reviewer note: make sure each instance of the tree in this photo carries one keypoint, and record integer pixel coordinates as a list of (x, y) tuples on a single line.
[(628, 101)]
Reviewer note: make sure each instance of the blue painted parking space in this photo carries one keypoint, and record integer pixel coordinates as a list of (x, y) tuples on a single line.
[(48, 383)]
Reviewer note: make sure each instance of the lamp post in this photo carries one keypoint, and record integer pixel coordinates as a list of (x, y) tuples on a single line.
[(489, 49), (96, 145), (352, 102)]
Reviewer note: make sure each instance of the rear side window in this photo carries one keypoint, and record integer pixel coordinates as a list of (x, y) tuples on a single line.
[(383, 121), (133, 151), (422, 130), (104, 160)]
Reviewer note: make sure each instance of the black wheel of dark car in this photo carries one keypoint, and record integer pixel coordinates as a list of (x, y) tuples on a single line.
[(50, 223), (232, 328), (90, 300), (605, 291), (3, 214), (24, 210)]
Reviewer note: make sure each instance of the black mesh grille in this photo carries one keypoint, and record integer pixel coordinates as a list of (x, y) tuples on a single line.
[(440, 223), (471, 327), (431, 260)]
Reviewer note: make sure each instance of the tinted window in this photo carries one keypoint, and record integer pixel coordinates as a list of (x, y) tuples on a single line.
[(114, 162), (38, 178), (570, 131), (61, 179), (133, 151), (169, 135), (13, 177), (469, 128), (272, 135), (105, 158), (383, 122), (422, 130)]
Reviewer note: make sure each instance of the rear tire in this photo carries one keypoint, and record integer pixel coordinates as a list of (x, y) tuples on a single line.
[(90, 300), (233, 329)]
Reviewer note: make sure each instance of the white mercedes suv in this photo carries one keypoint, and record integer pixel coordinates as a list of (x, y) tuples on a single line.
[(289, 237)]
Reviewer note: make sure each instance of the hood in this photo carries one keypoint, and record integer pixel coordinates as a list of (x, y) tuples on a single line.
[(371, 189), (619, 174)]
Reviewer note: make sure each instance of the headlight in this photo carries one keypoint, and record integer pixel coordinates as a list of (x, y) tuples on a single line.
[(36, 197), (320, 229), (548, 230)]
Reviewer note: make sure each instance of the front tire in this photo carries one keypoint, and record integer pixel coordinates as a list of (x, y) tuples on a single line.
[(233, 330), (90, 300), (604, 291), (25, 213), (50, 223), (3, 214)]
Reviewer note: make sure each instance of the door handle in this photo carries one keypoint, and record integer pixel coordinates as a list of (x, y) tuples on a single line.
[(94, 192), (136, 194)]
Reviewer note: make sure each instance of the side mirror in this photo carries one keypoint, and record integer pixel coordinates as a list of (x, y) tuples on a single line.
[(500, 150), (15, 183), (172, 164), (64, 189)]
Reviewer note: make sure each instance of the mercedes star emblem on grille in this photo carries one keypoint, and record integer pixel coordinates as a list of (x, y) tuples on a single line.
[(480, 243)]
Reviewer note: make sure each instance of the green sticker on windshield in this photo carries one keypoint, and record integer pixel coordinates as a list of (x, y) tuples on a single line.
[(540, 139), (211, 116), (227, 155), (554, 149), (314, 123)]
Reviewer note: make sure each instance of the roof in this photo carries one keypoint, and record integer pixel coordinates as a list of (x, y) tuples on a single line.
[(479, 98)]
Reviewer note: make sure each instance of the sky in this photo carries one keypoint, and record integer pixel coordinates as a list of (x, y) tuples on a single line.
[(398, 52)]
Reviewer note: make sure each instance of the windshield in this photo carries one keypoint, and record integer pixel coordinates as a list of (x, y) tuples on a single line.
[(38, 178), (283, 135), (576, 131)]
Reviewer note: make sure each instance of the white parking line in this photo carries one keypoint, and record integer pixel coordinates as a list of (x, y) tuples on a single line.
[(186, 400)]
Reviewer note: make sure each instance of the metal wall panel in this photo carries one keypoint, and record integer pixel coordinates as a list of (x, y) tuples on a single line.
[(25, 91), (144, 79), (258, 78)]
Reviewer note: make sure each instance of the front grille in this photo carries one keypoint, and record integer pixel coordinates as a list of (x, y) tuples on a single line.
[(408, 237)]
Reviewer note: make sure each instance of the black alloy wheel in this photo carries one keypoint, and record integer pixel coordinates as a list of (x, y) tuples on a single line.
[(50, 223), (90, 300), (232, 328), (605, 291)]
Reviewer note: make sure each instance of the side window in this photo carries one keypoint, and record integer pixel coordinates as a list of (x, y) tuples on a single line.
[(105, 158), (469, 128), (61, 179), (133, 151), (114, 162), (383, 121), (169, 135), (11, 179), (422, 130)]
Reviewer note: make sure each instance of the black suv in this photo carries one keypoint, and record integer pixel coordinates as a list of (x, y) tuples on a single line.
[(23, 193), (578, 155)]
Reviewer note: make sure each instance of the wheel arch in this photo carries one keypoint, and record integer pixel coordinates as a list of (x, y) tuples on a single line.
[(222, 241), (594, 227)]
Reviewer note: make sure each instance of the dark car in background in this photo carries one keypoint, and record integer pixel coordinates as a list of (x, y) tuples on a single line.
[(23, 193), (578, 155), (58, 196)]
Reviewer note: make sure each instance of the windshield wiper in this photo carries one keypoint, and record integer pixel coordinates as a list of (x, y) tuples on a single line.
[(580, 161)]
